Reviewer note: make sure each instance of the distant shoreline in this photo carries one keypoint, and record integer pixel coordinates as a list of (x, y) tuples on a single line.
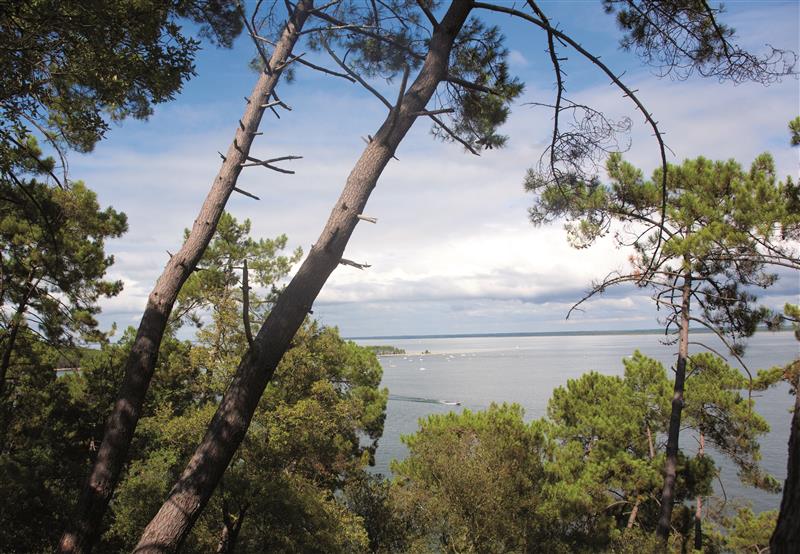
[(536, 334)]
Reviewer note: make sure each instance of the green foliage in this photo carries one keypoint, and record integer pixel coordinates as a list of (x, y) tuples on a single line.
[(52, 264), (370, 497), (472, 481), (219, 272), (716, 407), (479, 57), (385, 350), (794, 129), (745, 531), (68, 80), (44, 447), (315, 431)]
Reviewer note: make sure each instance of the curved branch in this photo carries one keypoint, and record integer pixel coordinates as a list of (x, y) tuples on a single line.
[(614, 78)]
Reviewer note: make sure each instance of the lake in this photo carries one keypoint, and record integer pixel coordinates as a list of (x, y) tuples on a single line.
[(478, 370)]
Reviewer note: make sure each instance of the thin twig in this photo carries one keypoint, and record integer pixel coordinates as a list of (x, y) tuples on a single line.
[(245, 193), (611, 75), (246, 305), (354, 75)]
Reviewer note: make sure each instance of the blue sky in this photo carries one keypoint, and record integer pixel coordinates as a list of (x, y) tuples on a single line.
[(453, 251)]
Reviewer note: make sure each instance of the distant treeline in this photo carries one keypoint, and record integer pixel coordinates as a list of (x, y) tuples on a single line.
[(385, 350)]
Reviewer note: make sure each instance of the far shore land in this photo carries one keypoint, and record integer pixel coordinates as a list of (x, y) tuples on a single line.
[(390, 351)]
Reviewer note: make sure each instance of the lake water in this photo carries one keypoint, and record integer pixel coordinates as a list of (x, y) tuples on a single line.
[(477, 371)]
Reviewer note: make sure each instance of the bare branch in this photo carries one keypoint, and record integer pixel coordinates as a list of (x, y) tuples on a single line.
[(345, 261), (565, 39), (454, 136), (354, 75), (244, 192), (435, 112), (344, 27), (732, 350), (253, 162), (400, 93), (377, 36), (559, 86), (325, 70), (324, 7), (252, 32)]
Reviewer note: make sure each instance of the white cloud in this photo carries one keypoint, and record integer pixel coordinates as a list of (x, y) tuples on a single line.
[(516, 59)]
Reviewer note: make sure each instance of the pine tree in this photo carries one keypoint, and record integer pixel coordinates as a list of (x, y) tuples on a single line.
[(722, 229)]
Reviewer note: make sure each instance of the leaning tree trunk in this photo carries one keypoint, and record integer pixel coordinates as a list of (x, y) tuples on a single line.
[(671, 466), (85, 527), (227, 429), (786, 538)]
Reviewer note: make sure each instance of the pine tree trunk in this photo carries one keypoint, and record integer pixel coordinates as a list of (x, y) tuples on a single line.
[(634, 512), (227, 429), (786, 538), (11, 338), (85, 527), (671, 466)]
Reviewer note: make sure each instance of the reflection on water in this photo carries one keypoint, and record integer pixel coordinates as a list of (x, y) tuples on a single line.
[(473, 372)]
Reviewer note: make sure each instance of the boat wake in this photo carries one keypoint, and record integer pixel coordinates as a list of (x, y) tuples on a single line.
[(423, 400)]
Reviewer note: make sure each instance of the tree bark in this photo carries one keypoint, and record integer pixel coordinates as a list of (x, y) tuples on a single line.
[(227, 429), (85, 526), (671, 466), (786, 538)]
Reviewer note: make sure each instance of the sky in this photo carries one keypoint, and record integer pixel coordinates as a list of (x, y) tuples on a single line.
[(453, 250)]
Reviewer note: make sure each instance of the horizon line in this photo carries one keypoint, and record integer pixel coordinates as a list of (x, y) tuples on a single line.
[(515, 334)]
